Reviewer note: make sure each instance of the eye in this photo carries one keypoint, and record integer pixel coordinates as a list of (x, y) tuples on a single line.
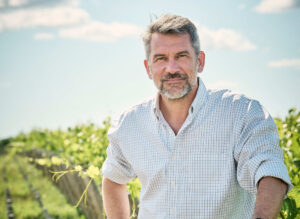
[(181, 56), (160, 58)]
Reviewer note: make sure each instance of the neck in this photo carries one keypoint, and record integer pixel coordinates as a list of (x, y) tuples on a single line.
[(175, 112)]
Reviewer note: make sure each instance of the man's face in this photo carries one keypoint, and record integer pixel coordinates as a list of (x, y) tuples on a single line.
[(173, 64)]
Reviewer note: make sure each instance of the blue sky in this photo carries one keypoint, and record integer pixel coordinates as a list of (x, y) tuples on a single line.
[(66, 62)]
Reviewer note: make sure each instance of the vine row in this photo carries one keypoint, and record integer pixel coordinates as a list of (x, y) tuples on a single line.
[(34, 190), (10, 211)]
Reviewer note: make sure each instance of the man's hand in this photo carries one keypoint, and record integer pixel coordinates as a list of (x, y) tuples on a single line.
[(271, 192), (115, 200)]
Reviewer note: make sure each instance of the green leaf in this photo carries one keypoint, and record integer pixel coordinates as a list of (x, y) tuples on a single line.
[(93, 171)]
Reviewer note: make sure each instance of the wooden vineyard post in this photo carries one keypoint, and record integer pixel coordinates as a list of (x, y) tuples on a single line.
[(72, 186)]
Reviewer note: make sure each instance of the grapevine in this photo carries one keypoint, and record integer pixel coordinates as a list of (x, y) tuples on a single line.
[(81, 150)]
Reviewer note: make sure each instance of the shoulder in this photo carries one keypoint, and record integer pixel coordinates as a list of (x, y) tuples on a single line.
[(132, 116), (228, 97), (234, 102)]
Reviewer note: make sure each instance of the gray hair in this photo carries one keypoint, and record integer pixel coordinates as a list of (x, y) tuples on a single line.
[(171, 24)]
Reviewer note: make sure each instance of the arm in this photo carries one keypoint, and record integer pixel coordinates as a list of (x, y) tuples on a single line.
[(115, 199), (271, 192), (257, 151)]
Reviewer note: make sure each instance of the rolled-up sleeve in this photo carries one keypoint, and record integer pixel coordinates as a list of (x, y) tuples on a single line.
[(257, 150), (116, 167)]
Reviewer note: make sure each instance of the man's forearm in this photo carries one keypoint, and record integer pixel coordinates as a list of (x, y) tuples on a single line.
[(271, 192), (115, 200)]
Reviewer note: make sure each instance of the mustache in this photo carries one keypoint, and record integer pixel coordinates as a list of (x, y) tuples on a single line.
[(175, 75)]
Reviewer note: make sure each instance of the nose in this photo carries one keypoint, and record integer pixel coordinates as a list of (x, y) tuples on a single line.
[(172, 66)]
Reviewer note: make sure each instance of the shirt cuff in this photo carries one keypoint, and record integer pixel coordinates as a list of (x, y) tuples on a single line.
[(110, 171), (274, 169)]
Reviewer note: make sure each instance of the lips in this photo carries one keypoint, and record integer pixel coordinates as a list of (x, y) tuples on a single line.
[(174, 80), (177, 77)]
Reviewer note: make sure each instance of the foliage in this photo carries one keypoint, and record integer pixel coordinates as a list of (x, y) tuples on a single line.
[(23, 198), (289, 133), (82, 149), (84, 145)]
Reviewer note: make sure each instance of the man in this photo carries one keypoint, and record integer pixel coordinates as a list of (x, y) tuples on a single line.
[(198, 153)]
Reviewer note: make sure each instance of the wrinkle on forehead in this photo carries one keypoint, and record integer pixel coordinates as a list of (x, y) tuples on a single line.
[(170, 44)]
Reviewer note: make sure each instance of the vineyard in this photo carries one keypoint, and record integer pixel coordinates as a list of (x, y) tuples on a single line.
[(57, 173)]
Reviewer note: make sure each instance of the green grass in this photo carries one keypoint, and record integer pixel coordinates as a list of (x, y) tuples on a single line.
[(55, 203), (24, 204), (3, 212)]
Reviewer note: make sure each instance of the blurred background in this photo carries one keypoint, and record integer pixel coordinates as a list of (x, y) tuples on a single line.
[(67, 62)]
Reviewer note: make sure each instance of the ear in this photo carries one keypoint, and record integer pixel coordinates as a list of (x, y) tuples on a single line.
[(147, 69), (201, 61)]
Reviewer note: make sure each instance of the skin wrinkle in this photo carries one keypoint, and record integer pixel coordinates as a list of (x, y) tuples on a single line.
[(172, 57)]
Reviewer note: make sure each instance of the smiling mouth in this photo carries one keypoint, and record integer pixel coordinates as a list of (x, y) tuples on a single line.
[(174, 80)]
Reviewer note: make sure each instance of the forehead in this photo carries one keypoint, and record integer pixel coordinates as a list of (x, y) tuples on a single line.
[(169, 43)]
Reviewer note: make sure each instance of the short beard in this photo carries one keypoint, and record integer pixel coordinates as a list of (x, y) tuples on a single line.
[(186, 89), (179, 95)]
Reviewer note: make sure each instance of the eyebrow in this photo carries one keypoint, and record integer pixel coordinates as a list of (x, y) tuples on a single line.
[(179, 53), (183, 52), (158, 55)]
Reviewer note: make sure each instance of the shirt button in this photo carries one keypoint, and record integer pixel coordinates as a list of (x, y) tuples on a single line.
[(173, 157), (172, 211), (170, 132), (172, 183)]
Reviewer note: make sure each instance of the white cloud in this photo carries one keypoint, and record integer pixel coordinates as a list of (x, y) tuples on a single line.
[(223, 39), (72, 21), (70, 3), (42, 17), (275, 6), (17, 3), (43, 36), (100, 32), (2, 3), (222, 85), (285, 63), (11, 4)]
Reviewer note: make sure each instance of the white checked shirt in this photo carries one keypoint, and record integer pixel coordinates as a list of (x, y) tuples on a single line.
[(210, 169)]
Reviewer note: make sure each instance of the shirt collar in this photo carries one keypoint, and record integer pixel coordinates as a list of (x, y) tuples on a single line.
[(197, 103), (155, 106)]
